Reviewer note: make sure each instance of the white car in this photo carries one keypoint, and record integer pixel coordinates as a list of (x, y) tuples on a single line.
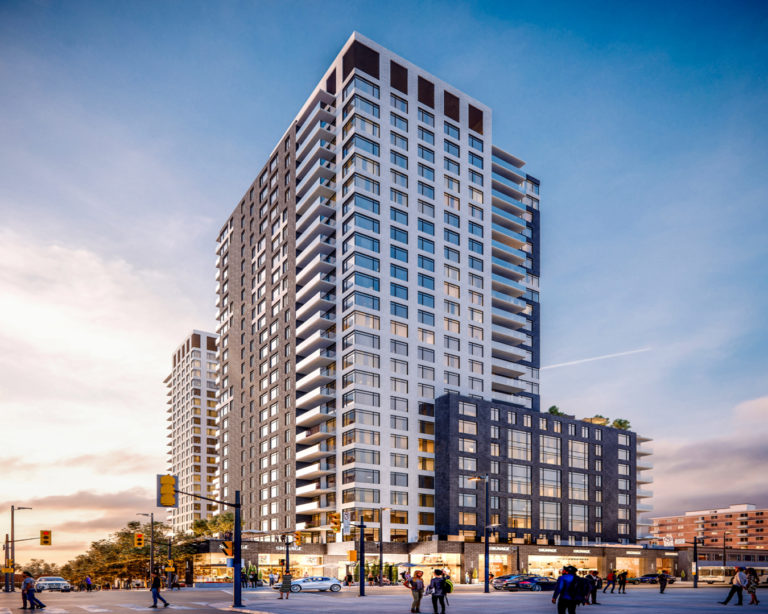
[(52, 583), (314, 583)]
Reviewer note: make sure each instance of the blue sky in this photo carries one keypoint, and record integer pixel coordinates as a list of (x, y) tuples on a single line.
[(130, 130)]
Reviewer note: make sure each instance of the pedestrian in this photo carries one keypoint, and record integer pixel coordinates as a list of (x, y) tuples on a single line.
[(623, 582), (662, 582), (416, 585), (682, 575), (467, 578), (752, 583), (28, 591), (370, 578), (436, 588), (610, 581), (285, 584), (155, 589), (595, 583), (571, 590), (738, 582), (88, 584)]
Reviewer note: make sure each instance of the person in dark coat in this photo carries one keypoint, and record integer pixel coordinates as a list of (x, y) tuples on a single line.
[(662, 582), (285, 585), (436, 588)]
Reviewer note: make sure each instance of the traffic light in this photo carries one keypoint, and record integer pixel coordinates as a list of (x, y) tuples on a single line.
[(45, 538), (226, 548), (335, 521), (297, 538), (166, 491), (138, 540)]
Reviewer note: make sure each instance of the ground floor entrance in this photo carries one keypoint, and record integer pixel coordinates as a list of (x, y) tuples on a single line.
[(550, 566)]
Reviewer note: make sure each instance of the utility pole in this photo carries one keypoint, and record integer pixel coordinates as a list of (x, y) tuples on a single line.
[(287, 555), (237, 589), (151, 542), (696, 560), (6, 559)]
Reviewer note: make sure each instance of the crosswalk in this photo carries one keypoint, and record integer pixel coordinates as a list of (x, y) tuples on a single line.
[(75, 608)]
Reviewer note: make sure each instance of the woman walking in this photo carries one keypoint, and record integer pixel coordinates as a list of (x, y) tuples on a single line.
[(285, 585), (752, 582), (417, 590)]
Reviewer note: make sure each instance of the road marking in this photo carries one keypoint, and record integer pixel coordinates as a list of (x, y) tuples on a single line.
[(92, 608), (56, 611), (5, 611)]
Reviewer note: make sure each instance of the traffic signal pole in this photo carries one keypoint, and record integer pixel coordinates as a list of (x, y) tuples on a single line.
[(237, 589), (7, 558)]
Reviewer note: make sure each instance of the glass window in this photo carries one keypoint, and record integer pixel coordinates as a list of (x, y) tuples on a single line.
[(398, 291), (549, 482), (577, 518), (451, 148), (577, 454), (398, 159), (398, 234), (475, 160), (426, 245), (398, 272), (426, 136), (451, 166), (519, 479), (398, 141), (425, 281), (426, 190), (398, 310), (363, 202), (398, 253), (426, 117), (451, 130), (396, 215), (361, 104), (426, 208), (426, 300), (365, 86), (399, 122), (577, 486), (426, 263), (402, 105), (519, 516), (549, 450), (549, 516), (426, 154), (519, 445), (475, 143)]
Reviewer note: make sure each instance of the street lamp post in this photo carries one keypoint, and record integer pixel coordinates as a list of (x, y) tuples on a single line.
[(14, 509), (361, 557), (381, 545), (151, 542), (696, 542), (486, 527)]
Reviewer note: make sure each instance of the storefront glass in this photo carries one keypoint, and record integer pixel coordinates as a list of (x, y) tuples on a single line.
[(450, 562), (551, 565)]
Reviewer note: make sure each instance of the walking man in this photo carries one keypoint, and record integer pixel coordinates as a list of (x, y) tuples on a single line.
[(155, 588), (88, 584), (610, 581), (738, 583), (437, 590), (28, 591), (662, 582), (571, 590), (595, 584), (623, 582), (285, 585)]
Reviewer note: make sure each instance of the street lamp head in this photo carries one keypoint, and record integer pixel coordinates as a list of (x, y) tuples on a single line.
[(476, 479), (23, 508)]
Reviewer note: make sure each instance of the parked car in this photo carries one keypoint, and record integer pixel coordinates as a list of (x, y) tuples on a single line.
[(52, 583), (650, 578), (498, 581), (511, 584), (313, 583), (538, 583)]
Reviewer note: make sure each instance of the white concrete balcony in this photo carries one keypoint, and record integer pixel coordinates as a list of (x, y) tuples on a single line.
[(319, 207), (315, 489), (322, 110), (313, 398), (313, 379), (321, 168), (320, 339), (504, 267), (319, 321), (319, 264), (507, 318), (318, 303), (319, 284), (315, 434), (643, 464), (321, 131), (320, 226), (508, 237), (505, 218), (315, 452), (321, 150), (507, 368), (318, 358), (308, 508), (315, 470), (511, 353), (320, 187), (320, 245), (512, 398), (508, 335), (316, 415), (644, 494), (644, 449), (644, 477), (644, 507), (507, 285), (507, 197), (509, 384), (507, 302)]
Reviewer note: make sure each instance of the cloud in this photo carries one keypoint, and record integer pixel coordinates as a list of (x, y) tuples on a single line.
[(90, 500), (716, 471), (121, 460)]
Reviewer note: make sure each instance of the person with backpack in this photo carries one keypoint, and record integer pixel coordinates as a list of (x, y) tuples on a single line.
[(594, 583), (623, 582), (571, 590), (436, 588)]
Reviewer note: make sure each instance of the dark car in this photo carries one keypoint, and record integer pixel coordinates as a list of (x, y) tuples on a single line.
[(650, 578), (498, 581), (537, 583), (511, 583)]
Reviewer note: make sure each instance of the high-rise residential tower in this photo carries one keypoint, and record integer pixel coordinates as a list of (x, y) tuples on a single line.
[(193, 426), (386, 254)]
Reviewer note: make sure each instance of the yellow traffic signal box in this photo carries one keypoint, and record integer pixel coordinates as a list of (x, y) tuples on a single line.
[(46, 538), (138, 540)]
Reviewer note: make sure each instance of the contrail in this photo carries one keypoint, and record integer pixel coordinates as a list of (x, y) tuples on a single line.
[(578, 362)]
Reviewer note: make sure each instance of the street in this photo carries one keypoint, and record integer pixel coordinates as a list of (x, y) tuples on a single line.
[(393, 600)]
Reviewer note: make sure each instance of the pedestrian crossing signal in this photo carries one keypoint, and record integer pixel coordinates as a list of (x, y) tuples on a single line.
[(138, 540), (226, 548), (166, 491), (45, 538)]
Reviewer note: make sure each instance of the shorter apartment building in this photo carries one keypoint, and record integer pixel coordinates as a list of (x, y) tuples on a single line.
[(738, 526), (552, 479), (193, 426)]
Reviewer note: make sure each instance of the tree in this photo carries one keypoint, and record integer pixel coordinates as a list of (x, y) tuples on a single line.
[(621, 423), (555, 411), (39, 567)]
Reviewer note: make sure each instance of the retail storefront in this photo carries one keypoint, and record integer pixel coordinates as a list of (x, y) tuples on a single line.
[(550, 565), (634, 563), (447, 561)]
